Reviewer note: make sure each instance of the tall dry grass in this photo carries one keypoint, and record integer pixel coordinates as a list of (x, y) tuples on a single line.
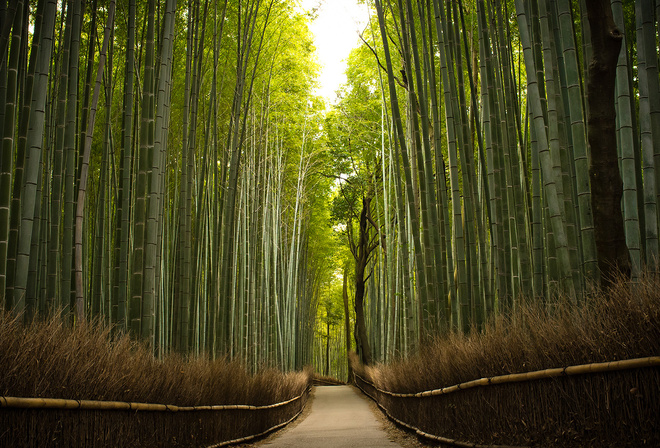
[(613, 409), (48, 359)]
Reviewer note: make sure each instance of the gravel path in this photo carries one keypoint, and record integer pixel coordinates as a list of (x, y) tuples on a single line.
[(339, 417)]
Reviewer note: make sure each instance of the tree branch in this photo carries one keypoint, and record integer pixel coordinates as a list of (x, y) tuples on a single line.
[(398, 81)]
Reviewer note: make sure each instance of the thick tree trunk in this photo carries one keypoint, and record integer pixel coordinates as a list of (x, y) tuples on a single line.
[(606, 184), (361, 326), (361, 259), (347, 323), (327, 347)]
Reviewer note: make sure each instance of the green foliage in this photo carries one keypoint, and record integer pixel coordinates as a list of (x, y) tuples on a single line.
[(255, 198), (353, 124), (238, 178), (330, 309)]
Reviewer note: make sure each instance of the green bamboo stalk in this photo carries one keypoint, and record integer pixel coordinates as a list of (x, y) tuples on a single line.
[(29, 197), (554, 107), (649, 118), (9, 13), (152, 267), (433, 317), (213, 300), (564, 165), (474, 229), (546, 164), (234, 148), (647, 147), (492, 145), (626, 143), (479, 190), (123, 216), (38, 241), (460, 318), (4, 100), (82, 186), (95, 294), (183, 280), (401, 146), (58, 164), (70, 133), (8, 144), (404, 252), (87, 89), (100, 284), (579, 140), (514, 172), (146, 138)]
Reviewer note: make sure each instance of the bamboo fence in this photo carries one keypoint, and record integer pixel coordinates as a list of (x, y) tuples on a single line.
[(637, 363), (93, 405), (527, 377), (238, 424)]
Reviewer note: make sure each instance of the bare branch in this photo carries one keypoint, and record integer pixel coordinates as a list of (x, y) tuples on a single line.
[(402, 84)]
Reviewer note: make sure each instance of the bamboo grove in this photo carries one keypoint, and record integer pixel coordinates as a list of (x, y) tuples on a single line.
[(167, 168), (476, 160), (157, 172)]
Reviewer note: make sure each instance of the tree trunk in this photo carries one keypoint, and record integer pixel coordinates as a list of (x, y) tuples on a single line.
[(362, 257), (327, 347), (606, 184), (347, 322)]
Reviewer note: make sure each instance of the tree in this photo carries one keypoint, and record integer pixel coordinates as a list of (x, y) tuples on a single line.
[(330, 314), (250, 116), (362, 250), (353, 141), (606, 183)]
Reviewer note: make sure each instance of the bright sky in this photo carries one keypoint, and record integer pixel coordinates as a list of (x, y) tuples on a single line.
[(336, 31)]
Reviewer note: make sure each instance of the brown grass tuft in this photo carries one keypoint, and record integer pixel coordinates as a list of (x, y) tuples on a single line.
[(622, 324), (51, 360)]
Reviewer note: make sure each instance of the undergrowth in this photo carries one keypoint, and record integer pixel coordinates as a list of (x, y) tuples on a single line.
[(613, 409), (623, 324), (49, 359)]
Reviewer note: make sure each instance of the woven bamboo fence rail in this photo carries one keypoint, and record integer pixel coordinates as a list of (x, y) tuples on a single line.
[(93, 405), (261, 434), (637, 363), (419, 432), (210, 417), (585, 369), (322, 382)]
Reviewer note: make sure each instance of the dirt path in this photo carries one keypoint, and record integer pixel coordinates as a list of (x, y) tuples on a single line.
[(339, 418)]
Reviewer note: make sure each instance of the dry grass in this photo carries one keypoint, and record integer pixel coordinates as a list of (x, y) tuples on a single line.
[(599, 410), (50, 360)]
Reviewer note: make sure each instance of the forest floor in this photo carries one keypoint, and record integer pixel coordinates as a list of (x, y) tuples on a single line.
[(339, 416)]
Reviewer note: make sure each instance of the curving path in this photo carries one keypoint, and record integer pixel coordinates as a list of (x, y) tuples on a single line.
[(339, 418)]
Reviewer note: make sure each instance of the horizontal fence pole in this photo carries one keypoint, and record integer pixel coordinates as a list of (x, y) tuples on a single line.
[(637, 363), (261, 434), (93, 405), (426, 435), (332, 383)]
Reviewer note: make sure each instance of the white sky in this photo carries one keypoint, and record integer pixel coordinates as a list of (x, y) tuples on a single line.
[(335, 31)]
